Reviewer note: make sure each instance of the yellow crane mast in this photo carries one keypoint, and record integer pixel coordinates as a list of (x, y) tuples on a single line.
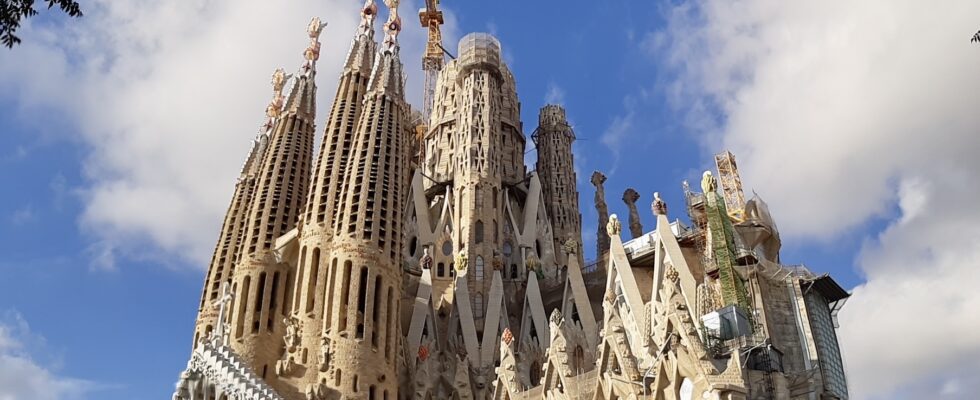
[(432, 19)]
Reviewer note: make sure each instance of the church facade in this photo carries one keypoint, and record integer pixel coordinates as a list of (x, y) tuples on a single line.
[(400, 262)]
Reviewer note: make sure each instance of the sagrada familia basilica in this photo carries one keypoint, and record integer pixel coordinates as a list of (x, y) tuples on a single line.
[(416, 256)]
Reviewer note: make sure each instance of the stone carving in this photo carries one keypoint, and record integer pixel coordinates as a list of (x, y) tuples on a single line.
[(368, 13), (602, 241), (215, 368), (293, 333), (671, 274), (461, 379), (708, 183), (291, 339), (613, 227), (426, 261), (285, 365), (317, 391), (325, 351), (659, 206), (496, 261), (630, 196), (570, 246), (534, 265), (558, 352), (569, 352), (312, 52), (393, 26), (461, 260), (507, 375), (221, 333), (617, 333), (274, 109), (423, 370)]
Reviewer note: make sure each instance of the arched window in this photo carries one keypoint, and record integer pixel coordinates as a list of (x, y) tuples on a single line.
[(513, 271), (478, 231), (508, 250), (479, 268), (440, 270), (478, 306)]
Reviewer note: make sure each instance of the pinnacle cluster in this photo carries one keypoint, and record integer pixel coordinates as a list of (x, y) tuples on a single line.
[(413, 260)]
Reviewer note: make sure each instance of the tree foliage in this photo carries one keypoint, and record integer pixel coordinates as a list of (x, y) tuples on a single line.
[(13, 11)]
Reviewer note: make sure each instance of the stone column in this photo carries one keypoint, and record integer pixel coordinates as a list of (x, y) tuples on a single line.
[(602, 239), (630, 196)]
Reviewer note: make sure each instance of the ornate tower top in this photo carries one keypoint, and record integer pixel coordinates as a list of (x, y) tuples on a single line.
[(368, 14), (279, 78), (312, 53), (392, 27)]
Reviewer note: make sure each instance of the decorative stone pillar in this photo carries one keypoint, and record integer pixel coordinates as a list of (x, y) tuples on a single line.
[(630, 196)]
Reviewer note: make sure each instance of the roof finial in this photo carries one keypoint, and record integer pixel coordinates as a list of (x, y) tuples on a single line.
[(272, 111), (312, 53), (368, 13), (392, 27)]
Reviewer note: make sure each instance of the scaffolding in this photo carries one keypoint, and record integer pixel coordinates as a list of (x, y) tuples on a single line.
[(731, 185), (432, 19)]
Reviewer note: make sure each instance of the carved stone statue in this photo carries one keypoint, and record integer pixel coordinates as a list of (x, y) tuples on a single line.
[(602, 241), (221, 333), (317, 391), (630, 196), (614, 227), (285, 365), (426, 261), (293, 332), (325, 352), (659, 206), (496, 261)]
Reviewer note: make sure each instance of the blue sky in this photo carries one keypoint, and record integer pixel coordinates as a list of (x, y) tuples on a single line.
[(856, 124)]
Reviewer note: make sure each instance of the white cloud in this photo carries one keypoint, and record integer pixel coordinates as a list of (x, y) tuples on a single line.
[(839, 114), (554, 94), (21, 376), (618, 133), (167, 95), (23, 215)]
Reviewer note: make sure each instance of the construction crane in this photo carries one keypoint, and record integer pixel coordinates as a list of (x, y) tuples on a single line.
[(432, 61), (731, 185)]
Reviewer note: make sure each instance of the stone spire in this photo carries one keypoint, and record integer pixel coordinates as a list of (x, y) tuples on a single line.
[(313, 299), (259, 280), (556, 167), (331, 164), (365, 288), (630, 196), (236, 218), (602, 238)]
